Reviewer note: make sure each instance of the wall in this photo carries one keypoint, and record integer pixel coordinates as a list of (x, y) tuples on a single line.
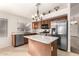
[(75, 16), (74, 9), (74, 30), (12, 25)]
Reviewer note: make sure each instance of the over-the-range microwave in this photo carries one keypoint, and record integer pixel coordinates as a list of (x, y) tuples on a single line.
[(44, 26)]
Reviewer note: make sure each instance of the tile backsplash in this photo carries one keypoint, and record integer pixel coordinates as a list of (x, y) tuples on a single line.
[(21, 27)]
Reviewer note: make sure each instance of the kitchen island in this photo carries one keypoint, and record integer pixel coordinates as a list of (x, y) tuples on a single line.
[(39, 45)]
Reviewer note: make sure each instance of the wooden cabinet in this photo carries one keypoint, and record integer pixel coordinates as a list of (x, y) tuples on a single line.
[(40, 49), (46, 22), (14, 40), (54, 48), (35, 25), (18, 39)]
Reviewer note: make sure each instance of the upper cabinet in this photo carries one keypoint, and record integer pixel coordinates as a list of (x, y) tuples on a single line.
[(46, 22), (35, 25)]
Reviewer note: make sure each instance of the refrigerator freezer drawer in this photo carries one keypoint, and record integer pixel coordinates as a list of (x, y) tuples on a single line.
[(63, 43)]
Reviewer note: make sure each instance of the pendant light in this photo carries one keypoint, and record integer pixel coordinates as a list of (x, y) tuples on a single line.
[(37, 16)]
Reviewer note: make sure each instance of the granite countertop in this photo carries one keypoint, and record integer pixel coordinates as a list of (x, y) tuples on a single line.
[(17, 33), (42, 38)]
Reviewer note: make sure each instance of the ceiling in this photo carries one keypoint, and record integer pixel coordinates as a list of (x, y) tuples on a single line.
[(28, 9)]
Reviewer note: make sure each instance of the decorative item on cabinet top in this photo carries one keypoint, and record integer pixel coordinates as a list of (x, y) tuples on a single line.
[(56, 8)]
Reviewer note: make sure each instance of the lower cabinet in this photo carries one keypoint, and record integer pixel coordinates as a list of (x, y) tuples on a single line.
[(18, 39)]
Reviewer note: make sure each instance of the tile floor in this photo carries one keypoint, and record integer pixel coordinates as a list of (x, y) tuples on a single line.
[(22, 51)]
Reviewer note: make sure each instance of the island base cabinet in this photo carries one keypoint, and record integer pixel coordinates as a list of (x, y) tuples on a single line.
[(40, 49), (54, 49)]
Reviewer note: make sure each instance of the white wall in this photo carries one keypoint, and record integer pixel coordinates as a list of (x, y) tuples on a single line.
[(12, 25), (69, 28), (74, 9), (74, 30), (75, 16)]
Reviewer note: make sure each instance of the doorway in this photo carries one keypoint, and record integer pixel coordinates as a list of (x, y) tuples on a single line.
[(3, 31)]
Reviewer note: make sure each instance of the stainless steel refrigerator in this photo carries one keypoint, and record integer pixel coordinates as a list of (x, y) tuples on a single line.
[(62, 31)]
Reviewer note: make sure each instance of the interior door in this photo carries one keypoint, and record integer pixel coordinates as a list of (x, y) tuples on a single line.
[(3, 32), (3, 27)]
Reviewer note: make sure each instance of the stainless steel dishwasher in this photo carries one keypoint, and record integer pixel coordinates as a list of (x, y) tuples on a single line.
[(19, 39)]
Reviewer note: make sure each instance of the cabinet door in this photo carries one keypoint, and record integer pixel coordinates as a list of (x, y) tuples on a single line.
[(49, 23), (46, 21), (35, 25), (32, 25), (42, 22)]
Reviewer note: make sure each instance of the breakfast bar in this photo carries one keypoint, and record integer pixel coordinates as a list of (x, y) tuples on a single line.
[(40, 45)]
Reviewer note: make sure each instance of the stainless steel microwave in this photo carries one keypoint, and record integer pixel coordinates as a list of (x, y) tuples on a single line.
[(44, 26)]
